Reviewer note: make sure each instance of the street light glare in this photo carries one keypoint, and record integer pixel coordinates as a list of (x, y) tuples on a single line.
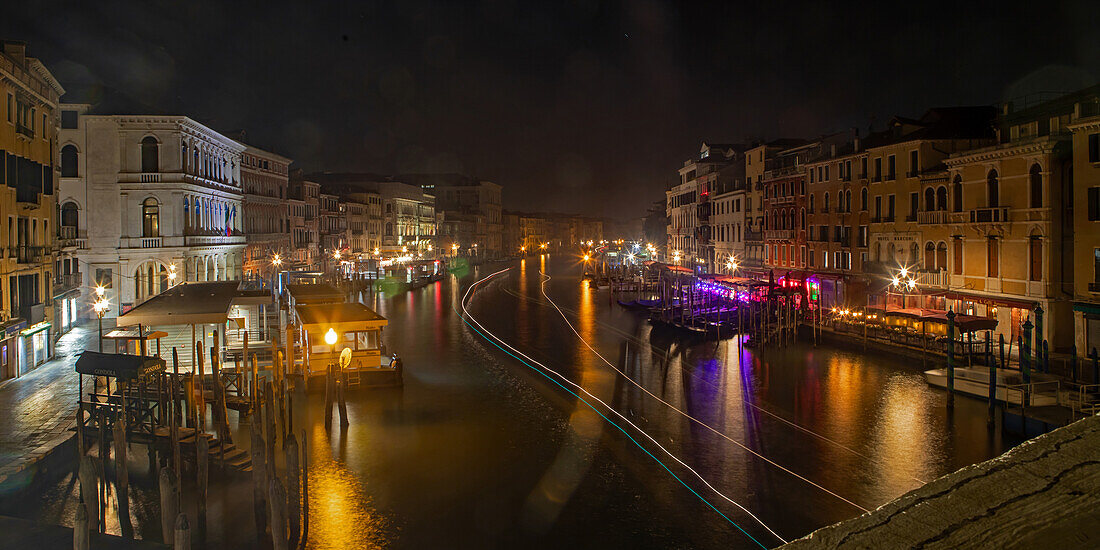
[(330, 337)]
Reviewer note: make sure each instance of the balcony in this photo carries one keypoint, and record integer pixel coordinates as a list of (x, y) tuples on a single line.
[(750, 235), (150, 178), (845, 241), (934, 217), (66, 282), (779, 234), (936, 277), (996, 214), (212, 240), (27, 254), (24, 131), (150, 242)]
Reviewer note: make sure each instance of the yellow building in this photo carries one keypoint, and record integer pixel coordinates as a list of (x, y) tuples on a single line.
[(1086, 226), (1006, 236), (28, 139)]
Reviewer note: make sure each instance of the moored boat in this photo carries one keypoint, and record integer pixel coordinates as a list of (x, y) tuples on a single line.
[(1010, 385)]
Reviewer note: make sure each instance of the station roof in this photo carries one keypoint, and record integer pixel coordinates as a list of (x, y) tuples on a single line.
[(331, 314), (193, 303), (315, 293)]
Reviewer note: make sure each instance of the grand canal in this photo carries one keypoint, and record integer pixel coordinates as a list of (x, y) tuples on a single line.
[(483, 449)]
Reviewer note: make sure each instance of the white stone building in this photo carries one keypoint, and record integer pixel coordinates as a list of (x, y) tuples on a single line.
[(151, 201)]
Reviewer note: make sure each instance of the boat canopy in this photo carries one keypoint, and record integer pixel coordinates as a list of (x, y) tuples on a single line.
[(963, 323), (193, 303)]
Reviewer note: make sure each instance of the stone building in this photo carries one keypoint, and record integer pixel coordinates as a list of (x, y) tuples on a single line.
[(167, 200), (265, 179)]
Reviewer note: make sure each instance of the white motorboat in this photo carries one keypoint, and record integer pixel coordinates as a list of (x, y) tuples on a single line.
[(1010, 385)]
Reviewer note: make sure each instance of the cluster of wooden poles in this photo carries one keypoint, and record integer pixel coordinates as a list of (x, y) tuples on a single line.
[(281, 499)]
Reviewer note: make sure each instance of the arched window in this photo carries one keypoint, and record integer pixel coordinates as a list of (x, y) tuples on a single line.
[(150, 218), (183, 156), (848, 200), (150, 161), (929, 256), (993, 189), (863, 199), (914, 254), (69, 220), (803, 219), (150, 279), (389, 229), (68, 161), (825, 203), (890, 257), (195, 162), (877, 252), (1036, 179), (941, 198), (941, 256), (958, 193), (929, 200), (811, 203)]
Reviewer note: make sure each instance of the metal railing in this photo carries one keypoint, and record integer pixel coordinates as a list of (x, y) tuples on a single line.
[(934, 217)]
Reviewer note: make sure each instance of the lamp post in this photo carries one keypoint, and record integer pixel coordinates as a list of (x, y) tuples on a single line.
[(100, 307), (330, 339)]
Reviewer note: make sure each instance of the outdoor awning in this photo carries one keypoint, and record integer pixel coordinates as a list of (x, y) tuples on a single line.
[(132, 334), (117, 365), (987, 300), (315, 294)]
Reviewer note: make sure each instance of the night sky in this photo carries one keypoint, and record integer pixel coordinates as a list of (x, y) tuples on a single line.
[(576, 106)]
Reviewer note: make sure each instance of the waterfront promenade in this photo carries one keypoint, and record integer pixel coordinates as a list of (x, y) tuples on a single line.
[(38, 409)]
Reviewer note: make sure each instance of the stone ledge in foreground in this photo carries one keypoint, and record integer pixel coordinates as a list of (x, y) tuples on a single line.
[(1045, 493)]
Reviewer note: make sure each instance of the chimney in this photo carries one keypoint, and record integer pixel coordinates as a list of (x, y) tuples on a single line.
[(16, 50), (855, 142), (832, 150)]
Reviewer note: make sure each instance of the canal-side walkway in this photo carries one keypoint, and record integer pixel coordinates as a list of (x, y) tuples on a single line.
[(1044, 493), (38, 409)]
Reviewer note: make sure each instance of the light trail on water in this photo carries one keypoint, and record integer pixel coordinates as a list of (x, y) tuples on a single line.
[(613, 411), (684, 414), (756, 407)]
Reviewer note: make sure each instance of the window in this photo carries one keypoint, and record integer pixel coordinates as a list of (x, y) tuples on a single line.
[(878, 208), (878, 169), (862, 235), (958, 192), (863, 199), (104, 278), (825, 204), (811, 204), (1094, 139), (993, 259), (941, 198), (929, 256), (149, 158), (1035, 254), (69, 217), (150, 218), (1096, 265), (1036, 180), (1094, 204), (11, 109), (914, 201), (68, 161), (863, 167), (890, 208), (993, 188), (826, 173), (929, 200), (891, 164), (914, 167)]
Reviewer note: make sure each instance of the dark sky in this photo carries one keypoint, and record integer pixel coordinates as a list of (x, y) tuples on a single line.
[(580, 106)]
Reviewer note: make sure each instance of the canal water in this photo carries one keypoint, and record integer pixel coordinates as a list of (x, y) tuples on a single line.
[(720, 446)]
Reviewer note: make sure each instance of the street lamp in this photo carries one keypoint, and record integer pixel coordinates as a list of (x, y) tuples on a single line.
[(330, 339), (100, 307), (171, 274)]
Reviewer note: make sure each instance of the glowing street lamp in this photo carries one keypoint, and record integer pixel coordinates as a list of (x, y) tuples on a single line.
[(277, 261), (336, 254), (100, 307)]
